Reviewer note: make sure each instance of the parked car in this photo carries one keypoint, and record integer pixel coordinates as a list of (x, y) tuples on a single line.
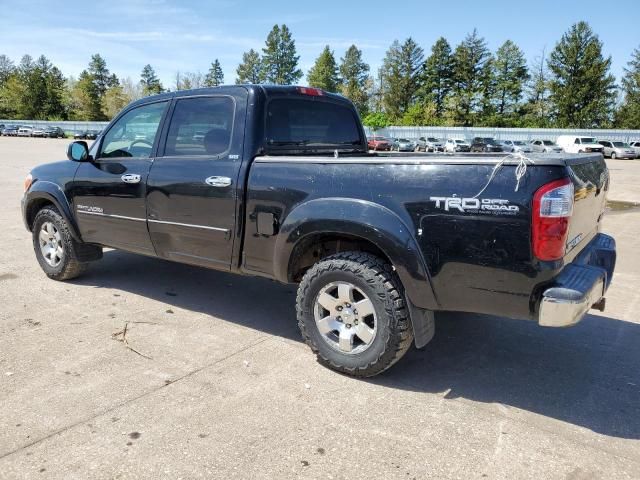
[(636, 148), (579, 144), (545, 146), (10, 131), (379, 143), (403, 145), (38, 132), (421, 144), (515, 146), (434, 144), (87, 134), (1, 128), (376, 243), (54, 132), (25, 131), (616, 149), (456, 145), (485, 144)]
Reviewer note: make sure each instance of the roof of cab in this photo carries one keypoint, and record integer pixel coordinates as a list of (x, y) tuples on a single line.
[(268, 90)]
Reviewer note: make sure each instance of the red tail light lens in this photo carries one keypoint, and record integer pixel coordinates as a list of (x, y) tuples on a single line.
[(314, 92), (552, 209)]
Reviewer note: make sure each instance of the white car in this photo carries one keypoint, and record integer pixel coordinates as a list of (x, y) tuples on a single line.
[(579, 144), (25, 131), (516, 146), (456, 145)]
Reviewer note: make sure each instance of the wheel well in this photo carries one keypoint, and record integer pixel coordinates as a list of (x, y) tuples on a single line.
[(314, 248), (34, 207)]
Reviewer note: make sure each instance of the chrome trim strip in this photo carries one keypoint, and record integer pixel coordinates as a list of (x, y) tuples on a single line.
[(189, 225), (121, 217), (164, 222)]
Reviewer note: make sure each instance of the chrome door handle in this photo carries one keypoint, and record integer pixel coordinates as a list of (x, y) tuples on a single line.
[(218, 181), (130, 178)]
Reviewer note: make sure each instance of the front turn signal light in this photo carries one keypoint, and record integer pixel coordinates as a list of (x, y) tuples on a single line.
[(27, 183)]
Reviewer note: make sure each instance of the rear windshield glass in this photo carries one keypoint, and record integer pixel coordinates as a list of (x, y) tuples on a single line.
[(300, 124)]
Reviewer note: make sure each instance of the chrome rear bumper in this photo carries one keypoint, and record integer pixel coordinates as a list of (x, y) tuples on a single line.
[(581, 285)]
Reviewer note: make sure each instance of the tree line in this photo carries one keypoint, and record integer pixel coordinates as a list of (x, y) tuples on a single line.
[(570, 87)]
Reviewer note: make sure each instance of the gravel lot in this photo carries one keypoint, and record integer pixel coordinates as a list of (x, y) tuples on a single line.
[(229, 390)]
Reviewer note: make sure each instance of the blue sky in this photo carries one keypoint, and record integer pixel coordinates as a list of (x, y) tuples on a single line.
[(188, 35)]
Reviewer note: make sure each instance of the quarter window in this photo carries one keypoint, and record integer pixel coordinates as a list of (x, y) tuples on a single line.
[(134, 133), (200, 126)]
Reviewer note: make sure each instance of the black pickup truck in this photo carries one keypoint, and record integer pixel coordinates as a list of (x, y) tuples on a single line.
[(277, 182)]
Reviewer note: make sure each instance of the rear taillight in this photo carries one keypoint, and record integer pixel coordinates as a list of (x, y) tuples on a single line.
[(314, 92), (552, 209)]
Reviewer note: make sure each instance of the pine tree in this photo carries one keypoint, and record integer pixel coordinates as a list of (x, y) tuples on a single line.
[(355, 78), (538, 107), (214, 76), (400, 75), (582, 87), (279, 59), (469, 71), (511, 74), (438, 72), (250, 70), (6, 69), (324, 73), (629, 114), (100, 73), (149, 81)]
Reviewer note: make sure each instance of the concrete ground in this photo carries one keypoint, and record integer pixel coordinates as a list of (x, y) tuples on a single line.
[(222, 386)]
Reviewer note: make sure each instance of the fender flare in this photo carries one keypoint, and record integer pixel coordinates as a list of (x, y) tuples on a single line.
[(44, 190), (369, 221)]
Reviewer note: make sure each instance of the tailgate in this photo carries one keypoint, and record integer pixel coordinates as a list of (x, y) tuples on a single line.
[(590, 178)]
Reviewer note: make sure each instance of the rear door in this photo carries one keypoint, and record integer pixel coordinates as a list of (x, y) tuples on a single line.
[(191, 190), (109, 192)]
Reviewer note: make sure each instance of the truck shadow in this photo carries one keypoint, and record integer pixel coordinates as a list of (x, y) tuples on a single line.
[(587, 375)]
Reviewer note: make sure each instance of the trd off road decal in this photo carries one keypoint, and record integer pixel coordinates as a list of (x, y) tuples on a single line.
[(487, 206)]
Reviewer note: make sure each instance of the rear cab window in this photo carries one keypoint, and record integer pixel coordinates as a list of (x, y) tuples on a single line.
[(300, 125)]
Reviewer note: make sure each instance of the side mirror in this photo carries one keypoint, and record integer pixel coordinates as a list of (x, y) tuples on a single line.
[(78, 151)]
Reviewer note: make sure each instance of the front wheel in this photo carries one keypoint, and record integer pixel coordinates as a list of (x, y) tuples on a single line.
[(613, 155), (55, 248), (352, 313)]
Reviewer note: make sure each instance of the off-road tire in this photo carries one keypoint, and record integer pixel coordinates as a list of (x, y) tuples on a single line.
[(378, 280), (69, 266)]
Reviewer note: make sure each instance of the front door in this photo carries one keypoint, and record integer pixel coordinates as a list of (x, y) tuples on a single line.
[(191, 190), (109, 192)]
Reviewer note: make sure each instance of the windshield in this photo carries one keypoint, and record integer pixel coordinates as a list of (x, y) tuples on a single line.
[(621, 144), (432, 139), (459, 141), (587, 140), (548, 142), (519, 142), (403, 140)]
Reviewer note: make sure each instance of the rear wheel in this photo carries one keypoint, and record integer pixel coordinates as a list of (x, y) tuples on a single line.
[(352, 313), (55, 248)]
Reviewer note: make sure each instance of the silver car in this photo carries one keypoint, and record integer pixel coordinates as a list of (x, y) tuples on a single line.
[(434, 144), (615, 150), (403, 145), (636, 148), (514, 146), (545, 146)]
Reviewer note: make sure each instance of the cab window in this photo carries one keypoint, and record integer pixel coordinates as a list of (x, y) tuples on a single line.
[(134, 134), (200, 126)]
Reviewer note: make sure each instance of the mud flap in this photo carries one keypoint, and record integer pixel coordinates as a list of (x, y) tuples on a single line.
[(423, 323)]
